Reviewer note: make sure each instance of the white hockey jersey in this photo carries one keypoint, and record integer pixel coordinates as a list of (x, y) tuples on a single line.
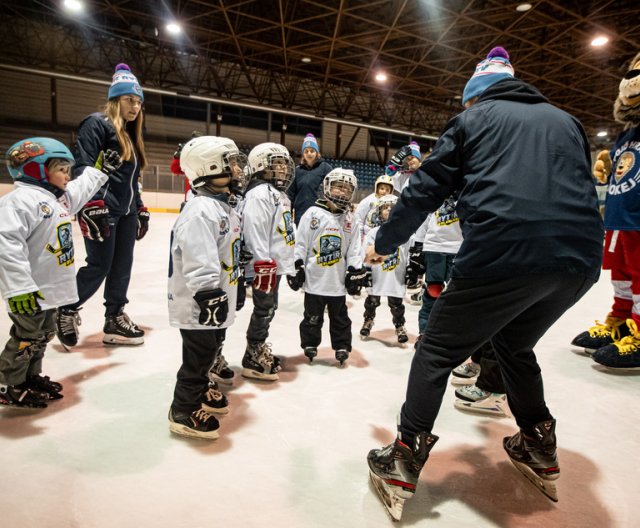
[(443, 233), (36, 242), (365, 206), (388, 276), (205, 249), (328, 243), (268, 228)]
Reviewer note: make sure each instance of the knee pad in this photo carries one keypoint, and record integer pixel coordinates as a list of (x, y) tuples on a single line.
[(434, 289), (315, 320)]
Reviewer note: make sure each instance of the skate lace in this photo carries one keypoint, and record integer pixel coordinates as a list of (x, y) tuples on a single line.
[(69, 322), (220, 364), (401, 330), (605, 330), (265, 356), (368, 324), (629, 344), (214, 395), (467, 369), (124, 322), (472, 391), (199, 417)]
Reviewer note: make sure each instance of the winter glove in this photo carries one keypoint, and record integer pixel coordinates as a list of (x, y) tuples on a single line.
[(214, 306), (396, 162), (243, 259), (602, 167), (265, 275), (176, 154), (108, 162), (143, 222), (416, 259), (94, 221), (411, 278), (26, 303), (354, 280), (296, 281)]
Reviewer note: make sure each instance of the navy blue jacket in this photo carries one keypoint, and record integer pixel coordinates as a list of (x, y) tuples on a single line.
[(121, 193), (305, 188), (527, 201)]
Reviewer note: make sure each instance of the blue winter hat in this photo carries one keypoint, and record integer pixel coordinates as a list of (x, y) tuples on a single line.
[(310, 142), (415, 150), (124, 83), (489, 71)]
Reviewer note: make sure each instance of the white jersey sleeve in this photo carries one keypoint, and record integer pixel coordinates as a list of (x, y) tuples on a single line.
[(81, 189)]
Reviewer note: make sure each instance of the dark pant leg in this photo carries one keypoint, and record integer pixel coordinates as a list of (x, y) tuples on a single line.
[(397, 310), (514, 313), (264, 309), (313, 319), (490, 377), (438, 270), (23, 353), (119, 275), (339, 323), (198, 348), (370, 304)]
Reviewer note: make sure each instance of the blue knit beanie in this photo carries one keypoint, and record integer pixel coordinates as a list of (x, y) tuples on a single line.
[(310, 142), (124, 83), (415, 150), (489, 71)]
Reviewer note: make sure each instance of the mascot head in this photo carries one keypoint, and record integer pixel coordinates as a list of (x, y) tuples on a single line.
[(626, 109)]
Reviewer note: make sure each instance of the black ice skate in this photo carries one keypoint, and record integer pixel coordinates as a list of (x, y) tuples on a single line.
[(213, 401), (67, 326), (220, 372), (401, 332), (310, 352), (120, 330), (44, 385), (20, 397), (260, 363), (342, 354), (535, 456), (366, 327), (395, 469), (198, 424), (601, 334), (623, 355)]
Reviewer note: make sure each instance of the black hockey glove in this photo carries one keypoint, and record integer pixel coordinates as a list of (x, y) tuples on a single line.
[(94, 221), (354, 280), (176, 154), (214, 306), (411, 278), (396, 162), (368, 278), (416, 259), (108, 162), (296, 281), (143, 222)]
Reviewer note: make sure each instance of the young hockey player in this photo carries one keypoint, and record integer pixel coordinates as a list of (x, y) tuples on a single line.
[(204, 270), (269, 236), (402, 164), (382, 187), (387, 278), (328, 264), (37, 271)]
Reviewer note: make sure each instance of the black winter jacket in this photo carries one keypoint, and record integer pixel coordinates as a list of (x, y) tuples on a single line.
[(304, 190), (527, 201), (121, 193)]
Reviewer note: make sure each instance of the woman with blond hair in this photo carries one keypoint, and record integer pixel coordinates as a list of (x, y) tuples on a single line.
[(115, 217)]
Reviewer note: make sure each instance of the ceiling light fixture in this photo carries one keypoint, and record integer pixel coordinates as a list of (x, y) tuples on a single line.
[(523, 7), (74, 6), (599, 41), (174, 28), (602, 133), (306, 60), (381, 76)]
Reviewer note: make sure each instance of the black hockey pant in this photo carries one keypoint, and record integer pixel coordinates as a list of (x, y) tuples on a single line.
[(339, 322), (395, 305)]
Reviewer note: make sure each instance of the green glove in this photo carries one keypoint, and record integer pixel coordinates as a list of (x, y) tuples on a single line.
[(108, 162), (27, 303)]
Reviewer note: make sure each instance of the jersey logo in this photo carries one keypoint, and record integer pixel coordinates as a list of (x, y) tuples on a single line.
[(234, 269), (64, 251), (391, 262), (287, 232), (45, 210), (625, 164), (330, 250)]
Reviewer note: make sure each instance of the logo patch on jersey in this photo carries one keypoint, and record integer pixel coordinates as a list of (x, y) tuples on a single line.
[(64, 251), (287, 232), (314, 223), (391, 262), (330, 250), (626, 168), (234, 269), (224, 226), (45, 210)]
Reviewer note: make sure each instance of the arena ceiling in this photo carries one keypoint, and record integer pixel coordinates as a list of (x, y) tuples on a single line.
[(320, 57)]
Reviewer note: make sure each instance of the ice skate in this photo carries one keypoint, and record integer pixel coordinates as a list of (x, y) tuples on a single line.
[(198, 424), (20, 397), (366, 327), (342, 354), (67, 327), (120, 330), (395, 469), (623, 355), (310, 352), (401, 333), (535, 456), (465, 374), (416, 298), (214, 402), (220, 371), (494, 404), (601, 334), (44, 385), (259, 363)]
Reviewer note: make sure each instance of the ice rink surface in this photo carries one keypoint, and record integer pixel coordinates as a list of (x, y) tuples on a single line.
[(293, 453)]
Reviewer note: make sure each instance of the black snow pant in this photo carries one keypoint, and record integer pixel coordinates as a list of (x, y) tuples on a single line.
[(339, 322), (264, 309), (395, 305), (490, 377)]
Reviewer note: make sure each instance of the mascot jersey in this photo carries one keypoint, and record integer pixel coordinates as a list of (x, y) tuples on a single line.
[(622, 206)]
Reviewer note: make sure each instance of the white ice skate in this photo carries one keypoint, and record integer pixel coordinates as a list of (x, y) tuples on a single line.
[(392, 497), (546, 485), (495, 404)]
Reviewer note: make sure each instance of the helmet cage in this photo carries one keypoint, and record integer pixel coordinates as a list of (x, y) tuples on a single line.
[(343, 179)]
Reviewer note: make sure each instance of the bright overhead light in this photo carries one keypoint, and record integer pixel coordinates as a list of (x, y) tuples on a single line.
[(523, 7), (306, 60), (599, 41), (75, 6), (381, 76), (174, 28), (602, 133)]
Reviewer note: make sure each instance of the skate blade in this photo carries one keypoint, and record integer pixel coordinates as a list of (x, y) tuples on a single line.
[(391, 502), (183, 430), (581, 351), (620, 369), (547, 487), (254, 374), (222, 381), (494, 408), (459, 382), (112, 339)]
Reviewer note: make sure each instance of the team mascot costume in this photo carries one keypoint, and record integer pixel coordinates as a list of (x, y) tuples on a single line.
[(616, 342)]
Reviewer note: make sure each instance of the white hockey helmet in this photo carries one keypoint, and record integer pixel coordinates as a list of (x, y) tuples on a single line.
[(339, 187), (386, 202), (384, 179), (272, 162), (207, 158)]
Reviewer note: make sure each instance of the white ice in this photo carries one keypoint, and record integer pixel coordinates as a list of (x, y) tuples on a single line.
[(293, 453)]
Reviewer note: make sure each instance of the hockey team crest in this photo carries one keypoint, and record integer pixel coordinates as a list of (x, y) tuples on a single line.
[(287, 232), (391, 262), (64, 251), (45, 210), (330, 250), (234, 269), (224, 226)]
